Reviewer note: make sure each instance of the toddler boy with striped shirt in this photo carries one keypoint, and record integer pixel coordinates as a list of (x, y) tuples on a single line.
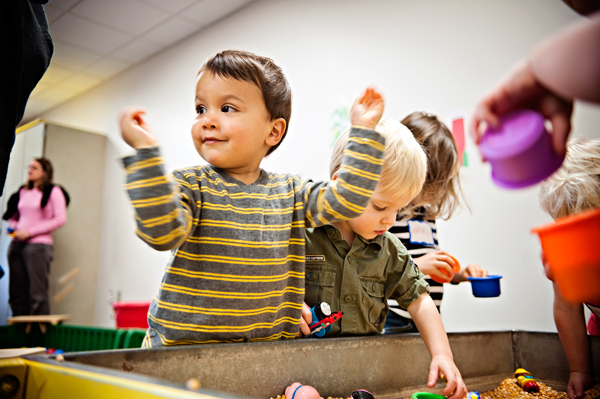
[(236, 230)]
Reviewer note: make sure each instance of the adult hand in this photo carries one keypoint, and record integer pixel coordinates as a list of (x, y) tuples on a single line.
[(444, 365), (21, 235), (367, 109), (135, 130), (435, 263), (469, 271), (522, 90), (305, 321)]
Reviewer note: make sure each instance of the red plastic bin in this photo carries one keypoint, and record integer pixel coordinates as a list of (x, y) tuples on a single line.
[(131, 314)]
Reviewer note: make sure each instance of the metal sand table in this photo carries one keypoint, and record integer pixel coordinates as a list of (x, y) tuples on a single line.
[(389, 366)]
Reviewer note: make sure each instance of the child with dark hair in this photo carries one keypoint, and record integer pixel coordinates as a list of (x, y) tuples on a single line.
[(237, 231)]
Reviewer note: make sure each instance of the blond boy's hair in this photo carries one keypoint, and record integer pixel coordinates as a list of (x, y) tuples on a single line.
[(404, 161), (575, 187)]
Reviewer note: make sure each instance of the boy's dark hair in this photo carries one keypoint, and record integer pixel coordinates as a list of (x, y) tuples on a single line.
[(262, 71)]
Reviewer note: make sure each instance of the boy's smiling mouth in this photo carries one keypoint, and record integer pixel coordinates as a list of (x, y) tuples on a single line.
[(211, 140)]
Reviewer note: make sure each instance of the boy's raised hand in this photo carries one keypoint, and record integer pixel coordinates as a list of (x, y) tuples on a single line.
[(367, 109), (134, 129)]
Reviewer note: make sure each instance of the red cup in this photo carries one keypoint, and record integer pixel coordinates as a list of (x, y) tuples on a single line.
[(572, 251), (455, 269)]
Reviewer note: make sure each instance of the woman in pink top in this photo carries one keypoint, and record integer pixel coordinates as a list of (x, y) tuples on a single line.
[(33, 212)]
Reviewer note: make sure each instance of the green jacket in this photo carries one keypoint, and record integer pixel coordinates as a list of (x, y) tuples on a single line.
[(359, 280)]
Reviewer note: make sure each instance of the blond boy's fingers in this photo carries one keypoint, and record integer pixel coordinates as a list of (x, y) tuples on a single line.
[(451, 388), (304, 328), (306, 313), (305, 320), (433, 376)]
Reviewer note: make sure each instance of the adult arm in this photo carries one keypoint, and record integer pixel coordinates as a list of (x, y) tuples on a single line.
[(563, 68), (569, 63)]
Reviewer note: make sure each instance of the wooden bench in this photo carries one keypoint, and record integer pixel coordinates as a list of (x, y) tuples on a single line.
[(42, 320), (18, 352)]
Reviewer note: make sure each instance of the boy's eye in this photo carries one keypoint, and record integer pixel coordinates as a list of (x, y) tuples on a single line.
[(227, 108), (377, 208), (200, 109)]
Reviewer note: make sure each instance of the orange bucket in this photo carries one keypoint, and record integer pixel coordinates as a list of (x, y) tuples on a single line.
[(455, 269), (572, 249)]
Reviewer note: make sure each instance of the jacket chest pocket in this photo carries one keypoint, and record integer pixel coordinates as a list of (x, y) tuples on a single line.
[(319, 284), (373, 300)]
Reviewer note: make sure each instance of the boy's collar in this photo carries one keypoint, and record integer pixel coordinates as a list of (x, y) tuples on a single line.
[(262, 179), (334, 232)]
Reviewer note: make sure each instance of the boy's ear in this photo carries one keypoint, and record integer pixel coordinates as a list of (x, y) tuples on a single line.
[(276, 133)]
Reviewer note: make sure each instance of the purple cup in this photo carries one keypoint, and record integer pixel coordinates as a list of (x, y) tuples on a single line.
[(519, 150)]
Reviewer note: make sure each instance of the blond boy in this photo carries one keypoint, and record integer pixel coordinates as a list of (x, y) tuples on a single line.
[(356, 265), (237, 231)]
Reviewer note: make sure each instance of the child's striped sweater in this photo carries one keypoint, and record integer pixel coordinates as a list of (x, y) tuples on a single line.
[(237, 269)]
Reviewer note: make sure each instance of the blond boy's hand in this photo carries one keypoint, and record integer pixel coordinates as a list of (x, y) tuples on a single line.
[(305, 321), (134, 129), (367, 109), (455, 386)]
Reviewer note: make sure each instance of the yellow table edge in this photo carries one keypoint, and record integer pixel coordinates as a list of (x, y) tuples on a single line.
[(50, 381)]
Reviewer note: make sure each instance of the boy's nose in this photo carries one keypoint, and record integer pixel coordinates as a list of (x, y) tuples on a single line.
[(388, 220), (209, 122)]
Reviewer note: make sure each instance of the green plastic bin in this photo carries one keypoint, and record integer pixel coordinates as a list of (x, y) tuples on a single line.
[(70, 338)]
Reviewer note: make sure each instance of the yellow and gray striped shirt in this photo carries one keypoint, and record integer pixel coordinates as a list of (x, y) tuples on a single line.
[(237, 269)]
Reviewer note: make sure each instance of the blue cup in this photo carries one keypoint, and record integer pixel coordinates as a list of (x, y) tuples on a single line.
[(485, 287)]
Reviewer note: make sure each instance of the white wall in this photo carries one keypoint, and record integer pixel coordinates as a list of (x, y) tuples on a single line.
[(437, 56)]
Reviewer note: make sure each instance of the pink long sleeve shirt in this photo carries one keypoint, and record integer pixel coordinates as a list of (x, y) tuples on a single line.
[(37, 221)]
